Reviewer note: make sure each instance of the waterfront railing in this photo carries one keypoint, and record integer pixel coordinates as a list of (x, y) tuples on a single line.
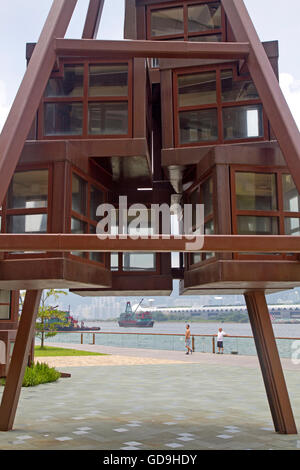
[(243, 345)]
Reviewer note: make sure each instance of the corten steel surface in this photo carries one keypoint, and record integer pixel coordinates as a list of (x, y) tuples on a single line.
[(25, 105), (18, 362), (157, 49), (275, 105), (93, 18), (212, 243), (270, 363)]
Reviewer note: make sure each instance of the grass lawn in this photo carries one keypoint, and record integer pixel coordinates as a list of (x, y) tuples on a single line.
[(51, 351)]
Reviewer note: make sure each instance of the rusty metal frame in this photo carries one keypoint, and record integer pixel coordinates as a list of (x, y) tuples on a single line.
[(93, 18)]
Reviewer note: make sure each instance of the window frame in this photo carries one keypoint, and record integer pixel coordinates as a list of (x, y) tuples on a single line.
[(186, 35), (5, 212), (85, 99), (280, 213), (219, 105), (9, 304), (85, 218)]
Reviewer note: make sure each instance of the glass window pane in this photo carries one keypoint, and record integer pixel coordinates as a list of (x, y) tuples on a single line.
[(108, 80), (196, 258), (250, 225), (198, 126), (4, 309), (204, 17), (197, 89), (79, 194), (209, 229), (292, 226), (237, 90), (98, 257), (114, 261), (79, 227), (31, 223), (194, 199), (256, 191), (207, 196), (291, 198), (96, 198), (167, 21), (63, 119), (243, 122), (28, 190), (206, 38), (108, 118), (71, 84), (139, 262)]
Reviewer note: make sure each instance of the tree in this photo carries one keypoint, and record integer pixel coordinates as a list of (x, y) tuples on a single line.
[(48, 317)]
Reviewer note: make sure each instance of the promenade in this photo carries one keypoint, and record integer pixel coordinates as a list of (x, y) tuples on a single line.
[(151, 400)]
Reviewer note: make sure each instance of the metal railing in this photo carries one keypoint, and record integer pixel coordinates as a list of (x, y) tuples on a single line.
[(206, 343)]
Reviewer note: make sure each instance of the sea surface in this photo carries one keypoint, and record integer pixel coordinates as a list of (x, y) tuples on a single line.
[(170, 336)]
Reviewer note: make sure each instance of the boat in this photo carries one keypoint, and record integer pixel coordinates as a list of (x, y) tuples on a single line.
[(69, 323), (135, 319)]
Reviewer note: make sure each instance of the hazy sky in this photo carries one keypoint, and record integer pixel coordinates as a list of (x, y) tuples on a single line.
[(21, 21)]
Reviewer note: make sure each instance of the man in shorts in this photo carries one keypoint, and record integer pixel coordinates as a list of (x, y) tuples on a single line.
[(220, 346), (188, 339)]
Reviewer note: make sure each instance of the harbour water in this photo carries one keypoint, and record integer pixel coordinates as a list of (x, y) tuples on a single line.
[(170, 336)]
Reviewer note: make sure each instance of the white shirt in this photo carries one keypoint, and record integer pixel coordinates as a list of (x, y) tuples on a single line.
[(221, 335)]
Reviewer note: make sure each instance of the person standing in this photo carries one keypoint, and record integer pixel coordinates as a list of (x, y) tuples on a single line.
[(188, 339), (220, 345)]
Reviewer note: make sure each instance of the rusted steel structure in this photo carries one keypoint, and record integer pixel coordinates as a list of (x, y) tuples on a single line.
[(187, 108)]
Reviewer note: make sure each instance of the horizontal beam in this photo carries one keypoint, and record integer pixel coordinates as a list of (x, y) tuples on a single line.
[(212, 243), (158, 49)]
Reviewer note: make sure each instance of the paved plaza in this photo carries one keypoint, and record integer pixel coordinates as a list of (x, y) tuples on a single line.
[(152, 400)]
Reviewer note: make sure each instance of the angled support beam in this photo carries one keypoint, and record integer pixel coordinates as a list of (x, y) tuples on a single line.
[(20, 118), (92, 20), (266, 82), (158, 243), (19, 359), (158, 49), (270, 364)]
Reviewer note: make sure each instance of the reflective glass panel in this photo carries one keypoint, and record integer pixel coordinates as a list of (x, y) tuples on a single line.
[(243, 122), (291, 198), (98, 257), (207, 196), (114, 261), (96, 198), (63, 118), (204, 17), (28, 190), (206, 38), (70, 85), (79, 194), (198, 126), (197, 89), (4, 309), (108, 118), (292, 226), (108, 80), (30, 223), (167, 21), (248, 225), (237, 90), (256, 191), (79, 227), (139, 262)]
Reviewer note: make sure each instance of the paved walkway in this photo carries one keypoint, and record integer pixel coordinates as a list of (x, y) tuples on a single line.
[(152, 400)]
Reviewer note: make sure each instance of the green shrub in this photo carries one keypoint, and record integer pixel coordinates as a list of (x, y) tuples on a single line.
[(39, 373)]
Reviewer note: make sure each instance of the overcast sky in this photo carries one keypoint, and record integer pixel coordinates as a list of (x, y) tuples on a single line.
[(21, 21)]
